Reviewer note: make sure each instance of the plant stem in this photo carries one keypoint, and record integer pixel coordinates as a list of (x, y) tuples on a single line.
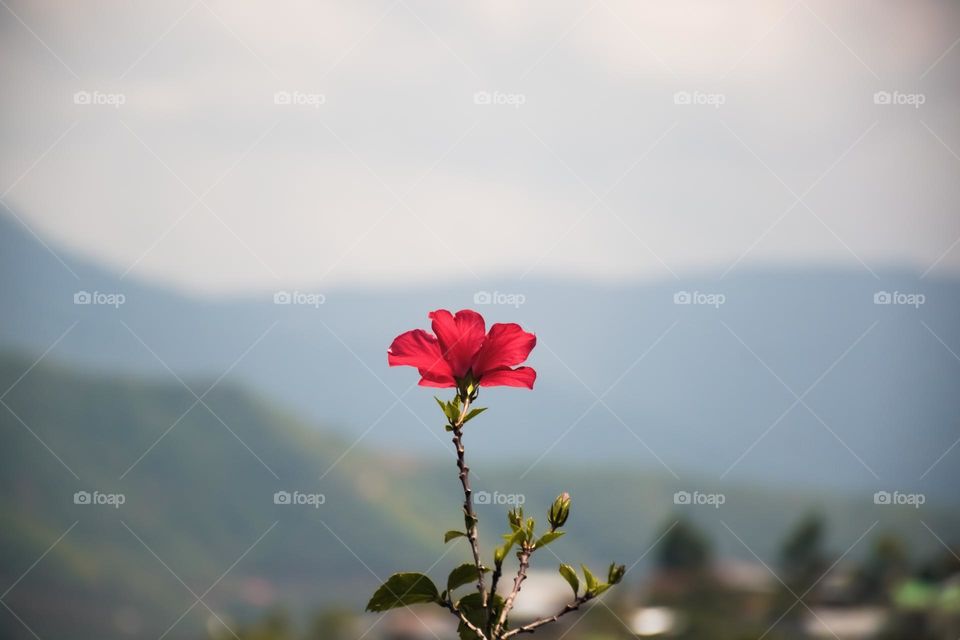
[(533, 626), (492, 601), (468, 511), (524, 557), (469, 625), (497, 573)]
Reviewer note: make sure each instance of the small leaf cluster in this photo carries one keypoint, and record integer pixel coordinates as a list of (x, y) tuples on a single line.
[(592, 586), (522, 531), (453, 409)]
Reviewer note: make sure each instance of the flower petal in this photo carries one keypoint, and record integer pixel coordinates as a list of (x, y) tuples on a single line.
[(507, 377), (460, 337), (507, 345), (428, 379), (418, 349)]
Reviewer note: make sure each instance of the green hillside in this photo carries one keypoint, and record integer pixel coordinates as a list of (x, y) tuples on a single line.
[(202, 495), (198, 499)]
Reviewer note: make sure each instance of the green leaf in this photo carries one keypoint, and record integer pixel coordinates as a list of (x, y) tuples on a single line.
[(465, 633), (472, 608), (500, 553), (402, 589), (570, 575), (592, 583), (511, 539), (473, 413), (548, 537), (462, 575), (448, 408), (450, 535)]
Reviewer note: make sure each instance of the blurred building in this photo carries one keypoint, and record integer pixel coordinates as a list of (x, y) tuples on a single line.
[(415, 623), (845, 623)]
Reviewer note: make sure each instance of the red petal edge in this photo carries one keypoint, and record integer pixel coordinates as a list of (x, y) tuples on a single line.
[(507, 377)]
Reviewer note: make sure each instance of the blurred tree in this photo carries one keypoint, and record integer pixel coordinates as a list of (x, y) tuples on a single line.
[(684, 548), (802, 558), (275, 625), (802, 564), (941, 566), (333, 624), (688, 583), (886, 565)]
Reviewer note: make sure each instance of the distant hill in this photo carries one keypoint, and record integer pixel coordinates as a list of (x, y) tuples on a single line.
[(704, 391), (200, 500)]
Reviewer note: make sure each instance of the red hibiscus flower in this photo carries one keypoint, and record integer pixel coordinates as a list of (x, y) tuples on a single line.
[(463, 352)]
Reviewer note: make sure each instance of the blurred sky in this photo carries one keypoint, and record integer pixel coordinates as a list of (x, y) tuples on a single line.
[(390, 172)]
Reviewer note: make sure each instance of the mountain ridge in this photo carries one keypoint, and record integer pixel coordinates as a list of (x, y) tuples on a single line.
[(707, 390)]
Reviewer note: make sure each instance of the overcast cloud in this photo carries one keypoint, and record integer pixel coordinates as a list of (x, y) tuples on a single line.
[(469, 140)]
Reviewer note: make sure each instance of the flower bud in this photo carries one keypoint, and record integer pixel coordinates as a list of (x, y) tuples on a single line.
[(559, 511), (615, 574), (515, 517)]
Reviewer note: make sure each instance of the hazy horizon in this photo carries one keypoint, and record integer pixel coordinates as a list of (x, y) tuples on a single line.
[(77, 259)]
